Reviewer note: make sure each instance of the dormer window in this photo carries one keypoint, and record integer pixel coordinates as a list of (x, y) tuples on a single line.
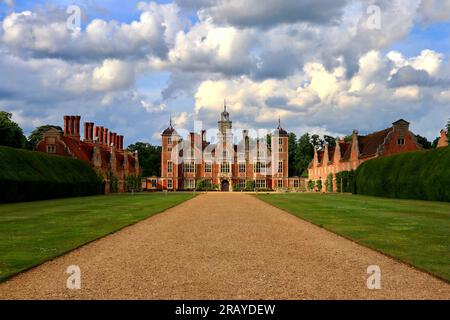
[(51, 148)]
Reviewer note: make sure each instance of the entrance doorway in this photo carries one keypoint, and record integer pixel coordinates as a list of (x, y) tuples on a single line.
[(225, 186)]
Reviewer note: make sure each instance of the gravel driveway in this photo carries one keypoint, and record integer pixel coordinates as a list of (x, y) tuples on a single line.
[(224, 246)]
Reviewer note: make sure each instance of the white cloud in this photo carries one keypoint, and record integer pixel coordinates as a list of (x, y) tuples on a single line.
[(269, 61), (112, 75)]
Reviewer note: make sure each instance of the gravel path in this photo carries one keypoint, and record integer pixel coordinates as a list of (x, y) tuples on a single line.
[(224, 246)]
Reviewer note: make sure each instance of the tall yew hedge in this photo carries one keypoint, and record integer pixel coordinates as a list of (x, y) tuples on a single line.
[(28, 176), (416, 175)]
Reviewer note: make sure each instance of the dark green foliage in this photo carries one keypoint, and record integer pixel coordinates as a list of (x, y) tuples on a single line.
[(11, 135), (250, 185), (28, 176), (345, 181), (292, 146), (448, 130), (319, 185), (435, 143), (149, 158), (311, 185), (329, 183), (416, 175), (331, 141), (37, 133), (113, 182), (133, 183), (304, 153), (204, 185), (423, 142)]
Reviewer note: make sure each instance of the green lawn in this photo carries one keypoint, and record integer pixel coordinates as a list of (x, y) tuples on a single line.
[(417, 232), (33, 232)]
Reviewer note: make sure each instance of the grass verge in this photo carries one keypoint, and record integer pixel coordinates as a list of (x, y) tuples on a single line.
[(413, 231), (34, 232)]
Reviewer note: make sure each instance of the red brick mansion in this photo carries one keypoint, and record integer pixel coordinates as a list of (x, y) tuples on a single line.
[(101, 149), (224, 164), (348, 156)]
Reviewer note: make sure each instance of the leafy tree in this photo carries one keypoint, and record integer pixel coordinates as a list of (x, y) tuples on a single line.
[(37, 134), (11, 134), (435, 143), (348, 138), (149, 158), (329, 183), (311, 185), (319, 185), (316, 141), (269, 140), (448, 130), (292, 145), (423, 142), (330, 140), (304, 153)]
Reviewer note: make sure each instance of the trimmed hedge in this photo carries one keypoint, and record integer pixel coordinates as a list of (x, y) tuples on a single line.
[(345, 181), (423, 175), (29, 176)]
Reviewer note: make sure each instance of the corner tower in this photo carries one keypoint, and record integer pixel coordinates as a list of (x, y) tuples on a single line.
[(169, 165), (280, 158)]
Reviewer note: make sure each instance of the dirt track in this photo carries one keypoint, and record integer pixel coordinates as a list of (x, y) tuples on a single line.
[(224, 246)]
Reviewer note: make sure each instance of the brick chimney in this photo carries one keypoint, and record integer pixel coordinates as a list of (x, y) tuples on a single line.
[(96, 134), (105, 136), (86, 132), (114, 139), (66, 125), (101, 135), (72, 126), (91, 131), (76, 126), (120, 142)]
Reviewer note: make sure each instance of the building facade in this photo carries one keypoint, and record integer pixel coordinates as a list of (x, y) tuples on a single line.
[(347, 156), (101, 149), (227, 165), (443, 140)]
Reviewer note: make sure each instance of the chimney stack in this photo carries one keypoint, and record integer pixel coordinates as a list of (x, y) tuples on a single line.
[(76, 125), (86, 132), (66, 125), (110, 138), (114, 140), (91, 131), (105, 136), (121, 143), (96, 134), (101, 135)]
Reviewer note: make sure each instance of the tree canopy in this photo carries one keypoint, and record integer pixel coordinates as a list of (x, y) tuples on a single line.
[(37, 133), (11, 134), (149, 158)]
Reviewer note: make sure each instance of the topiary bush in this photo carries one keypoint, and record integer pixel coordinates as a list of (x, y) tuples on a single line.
[(415, 175), (27, 176)]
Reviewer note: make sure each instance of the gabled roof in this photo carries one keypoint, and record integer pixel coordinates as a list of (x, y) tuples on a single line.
[(401, 121), (369, 145)]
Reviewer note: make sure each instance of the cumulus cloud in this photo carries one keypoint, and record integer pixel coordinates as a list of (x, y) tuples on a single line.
[(317, 64), (40, 35), (253, 13), (434, 11)]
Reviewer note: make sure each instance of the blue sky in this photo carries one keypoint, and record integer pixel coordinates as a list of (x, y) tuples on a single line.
[(316, 64)]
